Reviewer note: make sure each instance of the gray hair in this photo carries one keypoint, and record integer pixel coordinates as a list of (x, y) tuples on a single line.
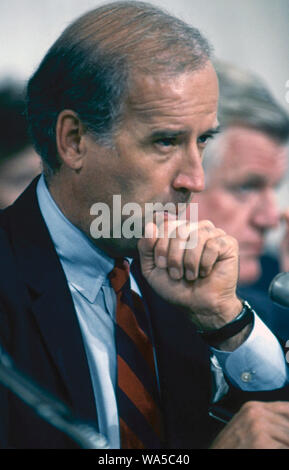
[(91, 67), (245, 100)]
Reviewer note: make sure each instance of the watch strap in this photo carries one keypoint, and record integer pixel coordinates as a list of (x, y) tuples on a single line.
[(219, 335)]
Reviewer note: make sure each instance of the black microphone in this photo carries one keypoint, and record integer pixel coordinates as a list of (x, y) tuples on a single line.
[(279, 289), (48, 407)]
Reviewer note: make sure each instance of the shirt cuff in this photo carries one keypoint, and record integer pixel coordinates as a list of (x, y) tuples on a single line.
[(258, 364)]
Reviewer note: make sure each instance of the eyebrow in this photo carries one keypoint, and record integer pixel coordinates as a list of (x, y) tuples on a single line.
[(213, 130), (171, 133), (251, 179)]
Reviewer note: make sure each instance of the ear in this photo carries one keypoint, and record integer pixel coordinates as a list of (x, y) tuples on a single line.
[(69, 139)]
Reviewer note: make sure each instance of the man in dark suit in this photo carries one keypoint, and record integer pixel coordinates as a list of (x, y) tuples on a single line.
[(123, 105), (243, 167)]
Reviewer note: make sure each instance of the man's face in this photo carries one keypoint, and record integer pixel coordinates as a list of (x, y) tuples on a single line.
[(158, 148), (240, 192)]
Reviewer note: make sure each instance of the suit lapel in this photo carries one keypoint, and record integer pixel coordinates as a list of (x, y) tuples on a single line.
[(52, 305)]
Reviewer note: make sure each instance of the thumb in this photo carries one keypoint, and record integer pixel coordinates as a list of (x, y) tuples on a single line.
[(146, 247)]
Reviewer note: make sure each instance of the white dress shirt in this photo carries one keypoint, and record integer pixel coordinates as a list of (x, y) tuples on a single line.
[(258, 364)]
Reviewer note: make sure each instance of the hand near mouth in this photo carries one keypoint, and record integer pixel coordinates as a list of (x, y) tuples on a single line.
[(198, 277)]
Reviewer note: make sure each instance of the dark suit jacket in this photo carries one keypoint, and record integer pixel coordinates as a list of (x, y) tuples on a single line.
[(39, 329)]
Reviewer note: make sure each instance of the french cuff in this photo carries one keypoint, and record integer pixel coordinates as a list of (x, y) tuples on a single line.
[(258, 364)]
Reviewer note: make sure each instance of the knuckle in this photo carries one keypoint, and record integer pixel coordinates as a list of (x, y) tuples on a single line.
[(221, 242), (252, 410), (206, 225), (279, 406), (213, 244), (233, 241), (250, 405), (183, 231), (220, 232)]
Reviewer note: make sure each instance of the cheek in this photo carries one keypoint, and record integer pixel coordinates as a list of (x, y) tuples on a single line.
[(250, 270), (225, 212), (147, 182), (133, 183)]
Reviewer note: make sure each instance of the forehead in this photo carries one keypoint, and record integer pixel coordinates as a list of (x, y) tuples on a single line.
[(184, 96), (246, 150)]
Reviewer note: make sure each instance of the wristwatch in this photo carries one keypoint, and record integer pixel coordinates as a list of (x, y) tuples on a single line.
[(219, 335)]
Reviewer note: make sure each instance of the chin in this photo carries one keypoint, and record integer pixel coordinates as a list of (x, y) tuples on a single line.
[(118, 248)]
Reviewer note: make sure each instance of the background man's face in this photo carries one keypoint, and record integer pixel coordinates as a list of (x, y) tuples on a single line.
[(240, 193), (158, 148)]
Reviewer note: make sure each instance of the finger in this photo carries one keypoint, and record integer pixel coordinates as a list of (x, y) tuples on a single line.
[(192, 255), (254, 409), (279, 408), (279, 429), (146, 247), (273, 428), (161, 246), (176, 249), (211, 253), (168, 231), (257, 425)]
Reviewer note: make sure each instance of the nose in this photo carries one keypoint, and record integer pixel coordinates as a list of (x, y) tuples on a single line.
[(190, 175), (266, 213)]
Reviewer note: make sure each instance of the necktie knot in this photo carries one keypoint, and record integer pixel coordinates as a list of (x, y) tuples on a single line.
[(119, 275)]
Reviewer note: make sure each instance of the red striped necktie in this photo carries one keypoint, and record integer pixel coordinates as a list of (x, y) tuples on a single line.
[(137, 392)]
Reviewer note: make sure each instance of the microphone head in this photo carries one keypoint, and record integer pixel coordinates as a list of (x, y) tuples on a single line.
[(279, 289)]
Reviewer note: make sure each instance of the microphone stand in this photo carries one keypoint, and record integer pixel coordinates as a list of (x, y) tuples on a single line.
[(49, 408)]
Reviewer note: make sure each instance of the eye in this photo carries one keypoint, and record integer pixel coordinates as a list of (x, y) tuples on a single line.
[(246, 189), (243, 190), (204, 139), (167, 142)]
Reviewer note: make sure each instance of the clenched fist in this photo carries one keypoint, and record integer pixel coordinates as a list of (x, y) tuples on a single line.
[(201, 279)]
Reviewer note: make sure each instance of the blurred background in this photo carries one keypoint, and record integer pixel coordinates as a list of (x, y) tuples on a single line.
[(252, 34)]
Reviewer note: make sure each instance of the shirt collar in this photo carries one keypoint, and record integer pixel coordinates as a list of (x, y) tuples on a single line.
[(86, 267)]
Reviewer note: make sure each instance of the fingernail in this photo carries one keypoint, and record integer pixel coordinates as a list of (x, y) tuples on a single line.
[(162, 262), (190, 275), (175, 273)]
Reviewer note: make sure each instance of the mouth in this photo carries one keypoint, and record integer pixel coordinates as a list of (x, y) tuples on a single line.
[(163, 216), (179, 212), (170, 215)]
